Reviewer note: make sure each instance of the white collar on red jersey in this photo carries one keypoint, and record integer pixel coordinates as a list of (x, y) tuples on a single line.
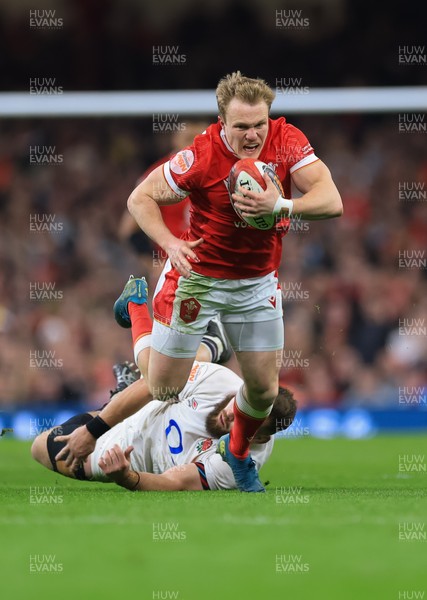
[(226, 144)]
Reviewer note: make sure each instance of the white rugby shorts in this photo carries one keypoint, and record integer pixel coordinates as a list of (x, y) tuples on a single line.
[(250, 310)]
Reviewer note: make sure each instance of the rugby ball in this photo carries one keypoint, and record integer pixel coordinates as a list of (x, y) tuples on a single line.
[(248, 173)]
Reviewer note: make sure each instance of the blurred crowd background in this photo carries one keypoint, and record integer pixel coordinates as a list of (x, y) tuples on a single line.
[(108, 44), (355, 317)]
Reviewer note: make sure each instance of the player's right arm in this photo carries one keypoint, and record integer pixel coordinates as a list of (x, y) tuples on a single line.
[(143, 204), (116, 464)]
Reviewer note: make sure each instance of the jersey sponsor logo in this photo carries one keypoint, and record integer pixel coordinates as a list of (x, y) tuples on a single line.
[(194, 372), (307, 149), (189, 310), (181, 162), (204, 445)]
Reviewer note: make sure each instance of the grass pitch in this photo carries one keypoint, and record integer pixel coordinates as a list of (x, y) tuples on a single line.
[(341, 520)]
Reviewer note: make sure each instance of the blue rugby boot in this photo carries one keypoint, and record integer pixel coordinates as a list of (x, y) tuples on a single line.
[(244, 469), (135, 290)]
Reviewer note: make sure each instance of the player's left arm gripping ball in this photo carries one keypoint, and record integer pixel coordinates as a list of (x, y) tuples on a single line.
[(253, 204)]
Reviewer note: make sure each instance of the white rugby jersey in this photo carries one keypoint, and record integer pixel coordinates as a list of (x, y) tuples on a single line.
[(165, 435)]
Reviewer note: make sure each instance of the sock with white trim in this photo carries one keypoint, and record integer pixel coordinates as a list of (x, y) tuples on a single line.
[(247, 421)]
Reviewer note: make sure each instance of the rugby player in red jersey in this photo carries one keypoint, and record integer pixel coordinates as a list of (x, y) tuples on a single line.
[(175, 216), (220, 268)]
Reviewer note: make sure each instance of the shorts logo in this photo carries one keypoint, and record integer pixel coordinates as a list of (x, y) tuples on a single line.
[(181, 162), (272, 301), (189, 310)]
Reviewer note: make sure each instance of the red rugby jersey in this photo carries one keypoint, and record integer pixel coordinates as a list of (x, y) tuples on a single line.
[(231, 249)]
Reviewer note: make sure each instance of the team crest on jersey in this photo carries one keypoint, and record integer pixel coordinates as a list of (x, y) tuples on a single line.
[(204, 445), (272, 166), (181, 162), (190, 308), (194, 404)]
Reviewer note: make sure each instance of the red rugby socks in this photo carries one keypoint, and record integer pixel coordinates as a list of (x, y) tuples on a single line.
[(140, 317), (247, 421)]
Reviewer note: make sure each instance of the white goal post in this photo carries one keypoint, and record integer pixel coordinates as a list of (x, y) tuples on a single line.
[(202, 102)]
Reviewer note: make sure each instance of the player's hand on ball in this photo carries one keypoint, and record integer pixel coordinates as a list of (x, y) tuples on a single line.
[(79, 445), (180, 252), (115, 463), (253, 204)]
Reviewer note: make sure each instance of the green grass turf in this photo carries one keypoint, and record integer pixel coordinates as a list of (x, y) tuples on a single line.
[(346, 531)]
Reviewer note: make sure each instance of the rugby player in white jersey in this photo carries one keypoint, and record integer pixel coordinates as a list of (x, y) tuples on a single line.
[(170, 445), (69, 447)]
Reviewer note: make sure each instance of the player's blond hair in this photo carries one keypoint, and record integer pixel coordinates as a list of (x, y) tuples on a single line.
[(245, 89)]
